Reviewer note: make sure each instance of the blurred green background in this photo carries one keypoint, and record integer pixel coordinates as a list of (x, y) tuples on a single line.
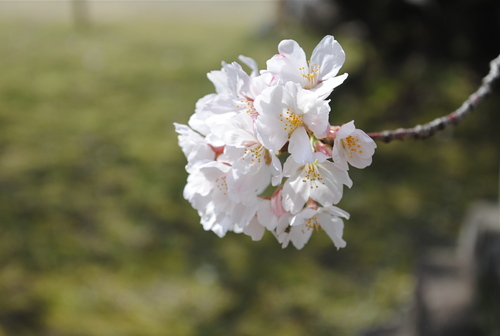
[(95, 237)]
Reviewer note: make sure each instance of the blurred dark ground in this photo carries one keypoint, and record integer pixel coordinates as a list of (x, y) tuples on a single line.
[(95, 236)]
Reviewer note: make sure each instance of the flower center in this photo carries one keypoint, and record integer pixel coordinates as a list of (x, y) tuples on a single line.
[(247, 106), (291, 120), (312, 224), (221, 184), (312, 175), (310, 74), (255, 153), (351, 144)]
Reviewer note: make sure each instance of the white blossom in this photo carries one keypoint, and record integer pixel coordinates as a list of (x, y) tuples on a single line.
[(354, 146), (287, 113), (299, 228), (319, 180), (238, 137), (207, 191), (194, 146), (318, 74)]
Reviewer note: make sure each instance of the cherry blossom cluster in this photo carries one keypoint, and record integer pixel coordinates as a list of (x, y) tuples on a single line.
[(262, 154)]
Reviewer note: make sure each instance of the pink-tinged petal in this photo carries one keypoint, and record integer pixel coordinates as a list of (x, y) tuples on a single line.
[(291, 49), (323, 148), (289, 62), (276, 203), (266, 214), (262, 82)]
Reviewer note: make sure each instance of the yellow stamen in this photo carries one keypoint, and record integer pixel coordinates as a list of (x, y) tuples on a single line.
[(292, 120), (351, 144), (312, 174), (312, 224), (310, 74)]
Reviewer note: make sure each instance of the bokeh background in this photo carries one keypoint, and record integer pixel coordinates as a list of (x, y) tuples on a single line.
[(95, 237)]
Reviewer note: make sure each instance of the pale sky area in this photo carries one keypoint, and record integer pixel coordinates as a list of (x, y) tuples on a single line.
[(241, 11)]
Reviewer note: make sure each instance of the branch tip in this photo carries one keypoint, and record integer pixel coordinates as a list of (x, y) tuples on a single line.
[(429, 129)]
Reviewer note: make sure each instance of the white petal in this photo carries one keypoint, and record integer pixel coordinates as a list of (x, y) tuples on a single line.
[(254, 230), (219, 79), (325, 88), (334, 227), (346, 130), (295, 194), (237, 131), (268, 127), (220, 228), (300, 235), (250, 62), (245, 187), (266, 215), (276, 170), (193, 145), (288, 62), (317, 117), (360, 162), (299, 218), (336, 211), (330, 56), (300, 146)]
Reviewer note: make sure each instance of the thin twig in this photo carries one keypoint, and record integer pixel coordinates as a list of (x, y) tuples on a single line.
[(429, 129)]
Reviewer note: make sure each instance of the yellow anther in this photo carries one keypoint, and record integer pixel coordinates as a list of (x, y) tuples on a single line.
[(312, 223), (310, 74), (312, 175), (292, 121), (351, 143)]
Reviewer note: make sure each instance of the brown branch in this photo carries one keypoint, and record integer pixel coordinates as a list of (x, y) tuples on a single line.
[(429, 129)]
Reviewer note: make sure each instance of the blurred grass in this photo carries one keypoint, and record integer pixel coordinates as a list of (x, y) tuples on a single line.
[(96, 238)]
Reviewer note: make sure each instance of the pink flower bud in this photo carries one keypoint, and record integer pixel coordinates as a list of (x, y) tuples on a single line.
[(276, 205)]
